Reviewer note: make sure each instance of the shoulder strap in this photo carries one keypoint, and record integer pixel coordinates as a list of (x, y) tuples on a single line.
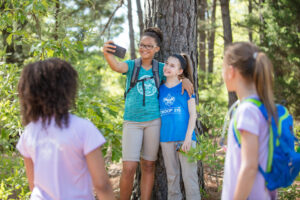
[(136, 71), (237, 134), (155, 71), (134, 75)]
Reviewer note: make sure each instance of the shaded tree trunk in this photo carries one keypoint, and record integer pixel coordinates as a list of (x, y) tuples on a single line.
[(131, 31), (14, 51), (202, 35), (227, 38), (140, 15), (57, 9), (250, 13), (178, 22), (226, 22), (262, 22), (211, 42)]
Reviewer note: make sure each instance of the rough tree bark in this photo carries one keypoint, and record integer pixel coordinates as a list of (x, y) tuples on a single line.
[(262, 22), (178, 22), (57, 10), (227, 38), (140, 15), (202, 34), (14, 51), (211, 42), (250, 13), (131, 31)]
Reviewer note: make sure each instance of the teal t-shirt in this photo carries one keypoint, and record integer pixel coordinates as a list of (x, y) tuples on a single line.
[(134, 109)]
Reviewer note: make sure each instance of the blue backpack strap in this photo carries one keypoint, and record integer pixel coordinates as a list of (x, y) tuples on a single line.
[(237, 134)]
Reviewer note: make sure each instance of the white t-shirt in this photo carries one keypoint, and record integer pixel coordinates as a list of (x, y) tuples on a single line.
[(58, 155)]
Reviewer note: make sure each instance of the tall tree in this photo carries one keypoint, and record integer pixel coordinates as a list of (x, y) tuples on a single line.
[(140, 15), (250, 13), (57, 9), (212, 33), (178, 22), (227, 38), (202, 34), (262, 22), (131, 31)]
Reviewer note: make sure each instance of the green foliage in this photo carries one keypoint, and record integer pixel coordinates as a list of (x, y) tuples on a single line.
[(289, 193), (275, 26), (282, 42), (13, 184), (98, 104), (10, 125)]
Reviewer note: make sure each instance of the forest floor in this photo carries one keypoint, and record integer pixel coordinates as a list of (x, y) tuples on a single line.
[(212, 190), (211, 187)]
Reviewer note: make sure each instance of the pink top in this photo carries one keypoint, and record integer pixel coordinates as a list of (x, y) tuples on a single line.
[(250, 119), (58, 155)]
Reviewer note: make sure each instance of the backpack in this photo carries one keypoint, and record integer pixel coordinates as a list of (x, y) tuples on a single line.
[(135, 75), (283, 163)]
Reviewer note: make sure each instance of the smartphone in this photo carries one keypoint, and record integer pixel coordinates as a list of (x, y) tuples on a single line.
[(120, 51), (178, 146)]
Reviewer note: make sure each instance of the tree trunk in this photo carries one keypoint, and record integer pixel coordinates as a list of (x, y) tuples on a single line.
[(211, 43), (57, 10), (178, 22), (250, 13), (131, 31), (202, 35), (140, 15), (262, 22), (227, 38)]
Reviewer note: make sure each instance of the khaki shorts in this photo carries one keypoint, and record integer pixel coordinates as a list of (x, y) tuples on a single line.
[(140, 139)]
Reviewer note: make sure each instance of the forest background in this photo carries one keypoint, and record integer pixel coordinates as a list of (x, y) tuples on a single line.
[(75, 30)]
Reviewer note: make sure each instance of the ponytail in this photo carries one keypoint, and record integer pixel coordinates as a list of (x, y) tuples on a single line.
[(263, 79), (188, 71)]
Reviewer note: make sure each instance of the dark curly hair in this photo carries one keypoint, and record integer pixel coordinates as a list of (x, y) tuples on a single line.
[(47, 89), (155, 33)]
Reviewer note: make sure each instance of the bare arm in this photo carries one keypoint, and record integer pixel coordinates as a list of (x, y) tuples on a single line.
[(249, 165), (99, 176), (115, 65), (29, 172), (191, 126)]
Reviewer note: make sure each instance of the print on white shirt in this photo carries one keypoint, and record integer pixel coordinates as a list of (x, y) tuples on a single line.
[(150, 88)]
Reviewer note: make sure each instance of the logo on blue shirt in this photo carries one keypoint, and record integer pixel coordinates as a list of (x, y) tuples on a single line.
[(169, 100)]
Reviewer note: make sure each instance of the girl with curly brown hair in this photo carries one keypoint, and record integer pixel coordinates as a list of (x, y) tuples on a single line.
[(61, 151)]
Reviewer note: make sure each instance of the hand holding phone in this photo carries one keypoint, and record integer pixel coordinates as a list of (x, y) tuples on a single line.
[(119, 51)]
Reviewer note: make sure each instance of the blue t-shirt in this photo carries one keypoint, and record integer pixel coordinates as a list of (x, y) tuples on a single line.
[(134, 109), (174, 113)]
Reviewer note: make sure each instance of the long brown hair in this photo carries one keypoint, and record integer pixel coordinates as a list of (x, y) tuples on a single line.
[(254, 66), (47, 89), (188, 70)]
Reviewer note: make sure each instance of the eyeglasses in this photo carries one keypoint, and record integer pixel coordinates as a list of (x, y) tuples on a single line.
[(148, 47)]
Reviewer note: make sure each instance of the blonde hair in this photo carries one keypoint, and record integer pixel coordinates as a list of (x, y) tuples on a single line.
[(254, 66)]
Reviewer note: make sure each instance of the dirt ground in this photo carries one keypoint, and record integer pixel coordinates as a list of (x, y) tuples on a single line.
[(115, 169), (211, 187)]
